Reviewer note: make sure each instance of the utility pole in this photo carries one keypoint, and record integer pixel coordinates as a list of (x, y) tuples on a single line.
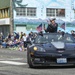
[(11, 17)]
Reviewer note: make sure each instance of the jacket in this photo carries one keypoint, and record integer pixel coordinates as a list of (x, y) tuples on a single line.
[(52, 28)]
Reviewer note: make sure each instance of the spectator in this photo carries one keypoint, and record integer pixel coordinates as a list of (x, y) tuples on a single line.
[(0, 40), (21, 35), (73, 33), (9, 36), (4, 44), (25, 42), (12, 37), (59, 31), (17, 35)]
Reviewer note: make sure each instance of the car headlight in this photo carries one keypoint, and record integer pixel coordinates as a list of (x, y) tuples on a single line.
[(39, 49), (35, 48)]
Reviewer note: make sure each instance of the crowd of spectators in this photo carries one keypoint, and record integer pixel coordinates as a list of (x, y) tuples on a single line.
[(20, 41), (16, 40)]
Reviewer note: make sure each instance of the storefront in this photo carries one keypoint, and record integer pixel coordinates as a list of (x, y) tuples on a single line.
[(5, 26), (33, 15)]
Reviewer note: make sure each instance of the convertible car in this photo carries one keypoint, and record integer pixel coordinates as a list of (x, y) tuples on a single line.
[(51, 48)]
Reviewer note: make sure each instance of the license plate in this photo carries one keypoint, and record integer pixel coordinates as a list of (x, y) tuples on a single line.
[(61, 60)]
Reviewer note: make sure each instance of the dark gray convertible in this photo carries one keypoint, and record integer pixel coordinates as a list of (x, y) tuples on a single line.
[(51, 48)]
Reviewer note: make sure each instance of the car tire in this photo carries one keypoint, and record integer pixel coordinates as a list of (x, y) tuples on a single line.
[(29, 60)]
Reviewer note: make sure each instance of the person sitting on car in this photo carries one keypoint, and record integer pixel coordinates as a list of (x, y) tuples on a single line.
[(52, 27)]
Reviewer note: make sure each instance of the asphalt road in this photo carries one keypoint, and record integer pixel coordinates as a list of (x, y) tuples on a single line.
[(15, 63)]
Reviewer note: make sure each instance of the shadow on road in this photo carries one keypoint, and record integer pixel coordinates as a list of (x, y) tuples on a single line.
[(54, 67)]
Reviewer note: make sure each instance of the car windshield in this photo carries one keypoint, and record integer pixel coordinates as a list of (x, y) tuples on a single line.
[(47, 38)]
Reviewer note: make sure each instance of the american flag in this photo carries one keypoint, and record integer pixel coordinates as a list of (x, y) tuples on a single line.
[(63, 26), (39, 28)]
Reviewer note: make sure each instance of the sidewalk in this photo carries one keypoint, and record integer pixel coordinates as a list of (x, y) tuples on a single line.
[(12, 48)]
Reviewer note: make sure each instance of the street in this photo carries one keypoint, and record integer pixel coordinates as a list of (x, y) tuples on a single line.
[(14, 62)]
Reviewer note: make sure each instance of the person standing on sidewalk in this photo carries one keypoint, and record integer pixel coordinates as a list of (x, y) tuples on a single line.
[(0, 40), (25, 42)]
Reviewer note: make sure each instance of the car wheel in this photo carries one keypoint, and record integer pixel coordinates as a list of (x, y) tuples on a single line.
[(29, 59)]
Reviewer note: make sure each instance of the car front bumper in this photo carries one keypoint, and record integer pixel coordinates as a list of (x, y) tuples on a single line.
[(52, 58)]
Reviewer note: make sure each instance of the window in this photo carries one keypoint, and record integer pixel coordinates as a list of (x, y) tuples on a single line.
[(29, 11), (0, 13), (52, 12), (60, 12), (4, 13), (21, 11)]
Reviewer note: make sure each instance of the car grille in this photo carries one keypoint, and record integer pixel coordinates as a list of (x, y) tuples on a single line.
[(71, 60), (53, 60)]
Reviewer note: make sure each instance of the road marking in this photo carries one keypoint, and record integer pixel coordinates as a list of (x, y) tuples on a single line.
[(8, 59), (16, 59), (13, 63)]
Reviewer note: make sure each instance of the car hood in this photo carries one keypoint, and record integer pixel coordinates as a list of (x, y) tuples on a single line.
[(57, 45)]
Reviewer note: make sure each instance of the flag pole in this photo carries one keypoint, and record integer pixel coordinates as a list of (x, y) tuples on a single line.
[(65, 27)]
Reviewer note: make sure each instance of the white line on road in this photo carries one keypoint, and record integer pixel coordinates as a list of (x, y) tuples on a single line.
[(8, 59), (13, 63)]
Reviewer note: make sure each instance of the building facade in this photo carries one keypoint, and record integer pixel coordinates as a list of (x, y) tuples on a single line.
[(23, 15), (38, 11), (5, 17)]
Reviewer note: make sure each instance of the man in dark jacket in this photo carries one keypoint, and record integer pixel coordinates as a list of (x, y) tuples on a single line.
[(52, 27)]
